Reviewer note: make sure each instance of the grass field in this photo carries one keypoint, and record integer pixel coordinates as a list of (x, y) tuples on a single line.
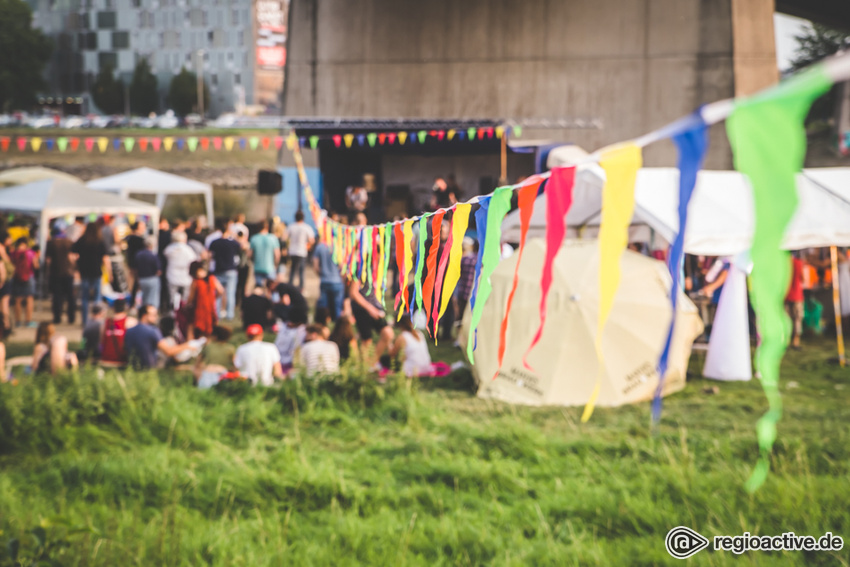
[(145, 470)]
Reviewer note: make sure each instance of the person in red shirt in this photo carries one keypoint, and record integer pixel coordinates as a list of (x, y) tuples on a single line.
[(794, 301)]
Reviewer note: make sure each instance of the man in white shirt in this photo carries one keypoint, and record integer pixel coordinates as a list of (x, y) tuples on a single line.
[(317, 355), (179, 256), (301, 239), (258, 361)]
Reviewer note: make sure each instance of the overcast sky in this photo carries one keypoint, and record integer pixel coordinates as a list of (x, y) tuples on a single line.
[(786, 27)]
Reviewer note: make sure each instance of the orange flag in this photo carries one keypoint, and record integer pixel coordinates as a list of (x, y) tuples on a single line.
[(398, 236), (431, 262)]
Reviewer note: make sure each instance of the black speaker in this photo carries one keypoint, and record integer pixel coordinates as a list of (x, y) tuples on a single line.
[(269, 182)]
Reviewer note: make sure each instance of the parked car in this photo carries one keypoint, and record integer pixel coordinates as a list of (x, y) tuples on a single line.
[(167, 120)]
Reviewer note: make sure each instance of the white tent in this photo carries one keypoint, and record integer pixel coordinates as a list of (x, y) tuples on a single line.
[(145, 180), (720, 214), (53, 198), (21, 175)]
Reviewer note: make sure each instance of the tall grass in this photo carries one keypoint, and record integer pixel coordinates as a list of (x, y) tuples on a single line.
[(142, 469)]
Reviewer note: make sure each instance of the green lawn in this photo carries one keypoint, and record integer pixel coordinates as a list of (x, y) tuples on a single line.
[(145, 470)]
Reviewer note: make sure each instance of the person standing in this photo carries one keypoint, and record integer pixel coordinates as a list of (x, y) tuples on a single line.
[(794, 300), (163, 240), (258, 360), (301, 238), (60, 269), (225, 254), (265, 251), (135, 244), (331, 290), (149, 270), (7, 270), (203, 295), (92, 260), (179, 256), (75, 231), (23, 282)]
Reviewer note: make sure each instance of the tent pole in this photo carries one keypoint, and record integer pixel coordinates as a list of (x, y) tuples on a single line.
[(836, 304), (503, 178)]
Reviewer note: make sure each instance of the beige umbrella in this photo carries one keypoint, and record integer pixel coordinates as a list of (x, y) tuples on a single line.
[(24, 175), (564, 362)]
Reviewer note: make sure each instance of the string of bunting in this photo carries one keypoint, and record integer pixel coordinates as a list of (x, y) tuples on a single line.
[(229, 143), (767, 137)]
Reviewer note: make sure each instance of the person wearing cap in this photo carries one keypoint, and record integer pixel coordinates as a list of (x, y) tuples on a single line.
[(257, 360)]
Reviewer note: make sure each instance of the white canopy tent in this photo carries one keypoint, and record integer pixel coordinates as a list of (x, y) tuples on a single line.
[(145, 180), (720, 214), (21, 175), (50, 198)]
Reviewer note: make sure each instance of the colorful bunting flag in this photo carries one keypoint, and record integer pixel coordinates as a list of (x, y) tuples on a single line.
[(129, 143), (402, 136), (490, 252), (228, 143), (314, 142), (254, 142), (349, 139), (559, 197), (156, 143), (143, 144), (470, 133), (205, 143), (74, 143), (4, 143), (265, 142), (243, 143), (167, 143), (431, 262), (768, 140), (621, 164), (422, 135), (116, 143), (22, 143), (385, 258), (62, 143), (102, 143), (407, 231), (361, 139), (526, 195), (278, 142), (192, 143), (691, 146), (216, 142), (451, 134), (48, 143), (179, 142), (35, 143), (420, 260), (382, 138), (460, 221), (89, 143), (373, 137), (398, 237)]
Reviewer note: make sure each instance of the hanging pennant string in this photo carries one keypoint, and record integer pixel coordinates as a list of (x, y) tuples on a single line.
[(460, 221)]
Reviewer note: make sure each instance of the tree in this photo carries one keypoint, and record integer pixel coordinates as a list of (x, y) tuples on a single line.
[(183, 93), (25, 51), (107, 93), (817, 42), (144, 98)]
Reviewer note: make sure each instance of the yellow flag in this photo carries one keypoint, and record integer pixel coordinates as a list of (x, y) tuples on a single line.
[(379, 274), (621, 164), (459, 223), (402, 137), (35, 143), (291, 140), (349, 138), (499, 131), (228, 143), (102, 144), (407, 230), (167, 142), (451, 134)]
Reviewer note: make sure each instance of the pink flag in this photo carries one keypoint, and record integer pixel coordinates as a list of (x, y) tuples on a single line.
[(89, 144), (559, 197), (438, 283)]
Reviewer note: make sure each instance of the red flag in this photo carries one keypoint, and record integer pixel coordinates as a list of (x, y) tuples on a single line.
[(481, 132), (441, 134), (382, 138), (205, 143), (337, 140), (278, 142), (391, 137), (399, 257), (75, 143), (22, 143), (265, 142), (431, 263), (559, 197), (156, 143), (143, 144), (89, 144), (4, 143), (217, 142), (525, 198), (490, 132)]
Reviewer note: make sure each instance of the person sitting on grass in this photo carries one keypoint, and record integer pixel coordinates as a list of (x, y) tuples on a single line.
[(51, 352), (318, 355), (257, 309), (114, 329), (143, 341), (257, 360), (290, 337), (92, 332), (322, 317), (171, 336), (344, 337), (411, 347), (216, 358)]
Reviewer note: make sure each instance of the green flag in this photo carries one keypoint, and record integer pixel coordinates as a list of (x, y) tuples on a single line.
[(470, 133), (62, 143), (192, 143), (422, 135), (517, 131), (388, 235), (314, 141), (254, 142), (768, 139), (129, 143), (500, 204), (372, 137), (420, 259)]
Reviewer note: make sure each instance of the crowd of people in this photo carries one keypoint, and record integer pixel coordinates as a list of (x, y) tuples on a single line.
[(179, 297)]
